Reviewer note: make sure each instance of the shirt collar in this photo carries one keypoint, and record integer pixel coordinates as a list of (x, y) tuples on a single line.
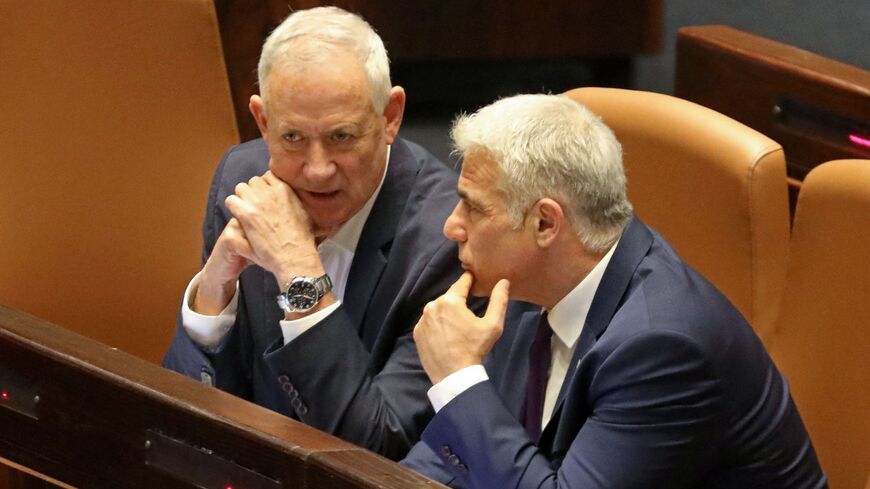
[(347, 236), (569, 314)]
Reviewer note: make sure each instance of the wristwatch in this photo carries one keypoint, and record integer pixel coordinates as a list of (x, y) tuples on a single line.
[(302, 294)]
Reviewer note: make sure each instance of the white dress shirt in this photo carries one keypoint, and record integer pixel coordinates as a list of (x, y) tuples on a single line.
[(566, 319), (336, 253)]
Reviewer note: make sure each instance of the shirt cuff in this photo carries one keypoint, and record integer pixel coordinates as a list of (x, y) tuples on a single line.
[(293, 328), (454, 384), (207, 331)]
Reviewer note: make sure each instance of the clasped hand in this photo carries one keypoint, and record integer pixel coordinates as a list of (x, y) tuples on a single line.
[(450, 336), (276, 227), (271, 229)]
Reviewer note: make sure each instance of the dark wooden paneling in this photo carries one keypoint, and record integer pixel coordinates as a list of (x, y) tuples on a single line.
[(766, 85), (453, 30), (488, 29), (244, 25), (101, 414)]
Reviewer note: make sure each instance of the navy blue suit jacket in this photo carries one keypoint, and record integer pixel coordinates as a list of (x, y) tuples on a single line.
[(356, 374), (670, 389)]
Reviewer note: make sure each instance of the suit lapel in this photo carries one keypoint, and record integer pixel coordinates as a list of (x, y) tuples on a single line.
[(633, 247), (366, 269), (373, 249)]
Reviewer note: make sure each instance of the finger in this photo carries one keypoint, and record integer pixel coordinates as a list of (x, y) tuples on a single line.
[(237, 240), (239, 208), (241, 189), (270, 178), (462, 286), (242, 247), (234, 223), (498, 301), (273, 181), (257, 182), (418, 332), (235, 227), (233, 202)]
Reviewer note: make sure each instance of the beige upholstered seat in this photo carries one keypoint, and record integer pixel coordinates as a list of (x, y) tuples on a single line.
[(821, 341), (112, 118), (713, 187)]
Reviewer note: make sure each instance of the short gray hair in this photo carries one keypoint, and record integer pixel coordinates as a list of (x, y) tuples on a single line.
[(306, 35), (552, 146)]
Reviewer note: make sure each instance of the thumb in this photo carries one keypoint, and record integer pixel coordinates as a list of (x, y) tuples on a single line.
[(498, 301)]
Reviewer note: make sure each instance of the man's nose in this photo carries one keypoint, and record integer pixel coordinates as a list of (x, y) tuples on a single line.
[(318, 165), (453, 228)]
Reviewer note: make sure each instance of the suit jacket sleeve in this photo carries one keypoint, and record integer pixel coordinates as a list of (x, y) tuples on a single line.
[(653, 418), (330, 369), (423, 460)]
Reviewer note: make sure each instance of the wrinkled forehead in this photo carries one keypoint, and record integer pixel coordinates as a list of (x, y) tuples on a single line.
[(315, 87), (479, 173), (330, 71), (480, 165), (307, 49)]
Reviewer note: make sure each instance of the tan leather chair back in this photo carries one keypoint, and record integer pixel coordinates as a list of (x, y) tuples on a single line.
[(112, 118), (822, 337), (713, 187)]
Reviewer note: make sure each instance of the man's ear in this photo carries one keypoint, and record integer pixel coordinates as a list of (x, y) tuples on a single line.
[(393, 112), (548, 220), (258, 110)]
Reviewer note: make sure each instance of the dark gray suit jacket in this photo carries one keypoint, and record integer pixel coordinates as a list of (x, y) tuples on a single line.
[(356, 374), (670, 389)]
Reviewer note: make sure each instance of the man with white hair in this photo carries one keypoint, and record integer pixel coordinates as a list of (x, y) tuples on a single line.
[(322, 244), (638, 373)]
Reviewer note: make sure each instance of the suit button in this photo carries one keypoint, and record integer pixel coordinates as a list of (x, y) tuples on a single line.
[(206, 378), (283, 378), (299, 406), (462, 468), (446, 451), (288, 387), (454, 460)]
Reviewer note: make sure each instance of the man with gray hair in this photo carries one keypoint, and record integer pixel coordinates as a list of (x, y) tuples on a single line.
[(322, 244), (637, 373)]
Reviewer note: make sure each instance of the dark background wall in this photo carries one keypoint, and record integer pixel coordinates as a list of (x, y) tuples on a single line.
[(838, 29)]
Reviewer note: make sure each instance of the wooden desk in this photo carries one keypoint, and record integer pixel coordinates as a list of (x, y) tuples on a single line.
[(86, 415), (808, 103)]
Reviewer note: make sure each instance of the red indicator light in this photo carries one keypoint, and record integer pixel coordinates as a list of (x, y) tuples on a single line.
[(860, 141), (4, 395)]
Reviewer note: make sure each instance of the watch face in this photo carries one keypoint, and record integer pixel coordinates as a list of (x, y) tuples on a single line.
[(302, 295)]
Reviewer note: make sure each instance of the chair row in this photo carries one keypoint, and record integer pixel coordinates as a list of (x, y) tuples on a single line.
[(105, 193), (111, 121), (717, 191)]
